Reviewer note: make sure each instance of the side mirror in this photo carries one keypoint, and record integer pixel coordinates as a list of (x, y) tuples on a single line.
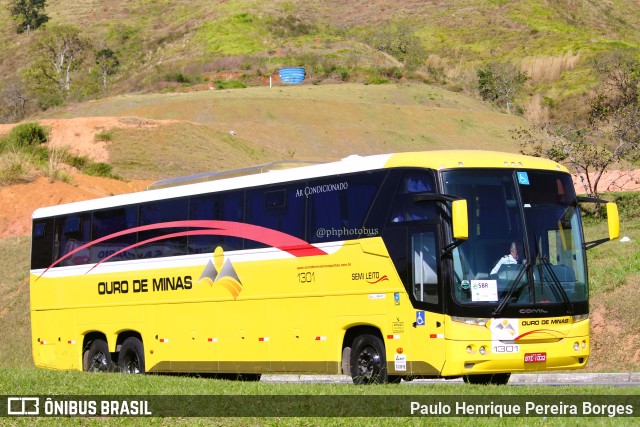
[(613, 221), (460, 219)]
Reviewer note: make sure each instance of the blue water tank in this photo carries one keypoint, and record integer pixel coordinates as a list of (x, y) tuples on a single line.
[(292, 76)]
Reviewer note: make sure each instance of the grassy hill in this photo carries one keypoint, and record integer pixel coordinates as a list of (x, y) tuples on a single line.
[(169, 45), (304, 123)]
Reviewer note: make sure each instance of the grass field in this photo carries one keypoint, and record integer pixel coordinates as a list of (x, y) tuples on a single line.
[(113, 386)]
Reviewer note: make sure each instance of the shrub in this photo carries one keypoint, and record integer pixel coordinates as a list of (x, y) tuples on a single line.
[(99, 169), (78, 162), (15, 168), (25, 135), (376, 80), (104, 135), (53, 170), (231, 84), (177, 77)]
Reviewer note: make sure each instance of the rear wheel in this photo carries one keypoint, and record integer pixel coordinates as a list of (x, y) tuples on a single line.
[(131, 356), (368, 360), (484, 379), (97, 357)]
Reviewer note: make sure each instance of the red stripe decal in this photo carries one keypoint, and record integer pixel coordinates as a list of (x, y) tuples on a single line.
[(285, 242), (379, 280)]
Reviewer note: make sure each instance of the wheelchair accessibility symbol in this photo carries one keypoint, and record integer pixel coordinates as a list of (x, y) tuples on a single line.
[(419, 318)]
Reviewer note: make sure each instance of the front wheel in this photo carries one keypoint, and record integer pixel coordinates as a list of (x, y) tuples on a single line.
[(131, 357), (485, 379), (368, 360)]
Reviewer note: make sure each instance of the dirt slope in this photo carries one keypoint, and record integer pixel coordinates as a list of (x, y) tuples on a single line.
[(17, 202)]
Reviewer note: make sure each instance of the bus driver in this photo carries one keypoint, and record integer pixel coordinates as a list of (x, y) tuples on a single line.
[(511, 258)]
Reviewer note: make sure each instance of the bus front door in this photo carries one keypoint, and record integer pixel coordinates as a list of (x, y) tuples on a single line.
[(426, 285)]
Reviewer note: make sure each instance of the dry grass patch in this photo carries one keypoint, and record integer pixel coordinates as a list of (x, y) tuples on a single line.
[(547, 69), (16, 167), (535, 112)]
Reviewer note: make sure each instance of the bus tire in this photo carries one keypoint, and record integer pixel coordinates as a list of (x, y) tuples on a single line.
[(131, 356), (485, 379), (368, 360), (239, 377), (97, 357), (249, 377), (394, 379)]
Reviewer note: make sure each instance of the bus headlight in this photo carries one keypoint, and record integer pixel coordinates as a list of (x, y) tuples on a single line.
[(580, 317), (479, 321), (482, 350), (576, 346)]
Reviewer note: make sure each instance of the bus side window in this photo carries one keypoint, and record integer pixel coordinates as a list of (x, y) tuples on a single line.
[(72, 232), (405, 208), (108, 222), (156, 213), (218, 207), (425, 269), (338, 206), (276, 208), (42, 244)]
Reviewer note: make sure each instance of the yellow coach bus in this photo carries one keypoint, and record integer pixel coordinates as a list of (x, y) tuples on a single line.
[(410, 265)]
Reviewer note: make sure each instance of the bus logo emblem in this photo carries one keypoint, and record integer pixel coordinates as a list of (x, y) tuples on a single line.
[(504, 329), (219, 272)]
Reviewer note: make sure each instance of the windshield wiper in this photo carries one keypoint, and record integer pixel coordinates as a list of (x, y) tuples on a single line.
[(557, 286), (526, 265)]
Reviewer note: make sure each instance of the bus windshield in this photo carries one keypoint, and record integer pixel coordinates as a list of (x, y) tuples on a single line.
[(525, 241)]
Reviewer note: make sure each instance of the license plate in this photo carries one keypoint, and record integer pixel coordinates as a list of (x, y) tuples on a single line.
[(535, 357)]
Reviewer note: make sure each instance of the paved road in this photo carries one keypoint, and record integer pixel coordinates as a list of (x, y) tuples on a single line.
[(616, 379)]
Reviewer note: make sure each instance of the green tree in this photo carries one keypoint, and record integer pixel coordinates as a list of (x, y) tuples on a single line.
[(29, 14), (108, 64), (59, 52), (400, 41), (500, 83), (610, 132)]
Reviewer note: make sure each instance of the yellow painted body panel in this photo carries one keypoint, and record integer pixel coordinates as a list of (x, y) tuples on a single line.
[(290, 315), (267, 310), (288, 310), (554, 336), (450, 159)]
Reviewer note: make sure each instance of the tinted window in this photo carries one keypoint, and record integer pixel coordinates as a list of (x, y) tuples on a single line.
[(111, 221), (219, 207), (72, 232), (338, 206), (42, 243), (158, 244), (405, 206), (277, 208)]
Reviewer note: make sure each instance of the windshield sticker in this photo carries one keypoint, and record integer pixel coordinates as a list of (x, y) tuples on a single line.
[(523, 178), (484, 290)]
